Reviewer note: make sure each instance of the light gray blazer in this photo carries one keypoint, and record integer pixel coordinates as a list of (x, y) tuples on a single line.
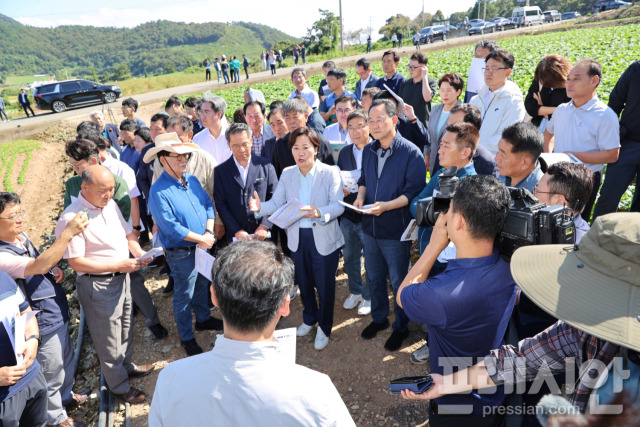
[(326, 191), (434, 139)]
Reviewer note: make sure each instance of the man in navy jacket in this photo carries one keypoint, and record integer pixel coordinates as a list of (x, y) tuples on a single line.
[(393, 173), (236, 179)]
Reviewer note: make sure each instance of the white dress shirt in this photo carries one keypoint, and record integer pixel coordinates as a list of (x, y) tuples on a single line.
[(217, 147), (243, 171), (241, 383)]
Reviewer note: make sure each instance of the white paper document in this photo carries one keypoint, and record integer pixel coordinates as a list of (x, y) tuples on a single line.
[(19, 327), (350, 180), (400, 101), (411, 232), (287, 339), (204, 263), (152, 253), (365, 208), (476, 75), (288, 214), (253, 236)]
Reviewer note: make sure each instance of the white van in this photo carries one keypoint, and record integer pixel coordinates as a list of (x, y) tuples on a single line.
[(527, 16)]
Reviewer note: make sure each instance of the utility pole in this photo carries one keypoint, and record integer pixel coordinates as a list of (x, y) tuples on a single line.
[(484, 15), (341, 29)]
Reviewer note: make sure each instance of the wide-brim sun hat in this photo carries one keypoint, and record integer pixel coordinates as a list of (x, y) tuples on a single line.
[(594, 286), (169, 142)]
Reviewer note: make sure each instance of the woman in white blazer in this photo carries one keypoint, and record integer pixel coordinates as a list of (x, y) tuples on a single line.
[(314, 240)]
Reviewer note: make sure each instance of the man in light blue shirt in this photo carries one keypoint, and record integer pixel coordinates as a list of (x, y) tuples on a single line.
[(336, 80), (184, 215), (299, 80)]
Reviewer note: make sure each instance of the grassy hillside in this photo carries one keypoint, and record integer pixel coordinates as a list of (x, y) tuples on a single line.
[(151, 48)]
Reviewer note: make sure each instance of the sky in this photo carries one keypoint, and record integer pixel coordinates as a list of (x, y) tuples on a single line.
[(290, 16)]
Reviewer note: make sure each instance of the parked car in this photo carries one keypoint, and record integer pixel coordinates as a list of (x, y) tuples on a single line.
[(603, 5), (482, 27), (552, 16), (527, 16), (571, 15), (503, 23), (58, 96), (423, 35)]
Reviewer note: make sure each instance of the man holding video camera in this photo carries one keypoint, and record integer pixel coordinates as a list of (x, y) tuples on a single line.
[(466, 307)]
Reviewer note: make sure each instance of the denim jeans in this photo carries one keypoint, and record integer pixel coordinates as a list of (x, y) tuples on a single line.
[(225, 74), (618, 177), (189, 292), (382, 257), (352, 251)]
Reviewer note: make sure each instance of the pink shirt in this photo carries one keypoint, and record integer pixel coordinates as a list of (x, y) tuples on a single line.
[(105, 239), (12, 264)]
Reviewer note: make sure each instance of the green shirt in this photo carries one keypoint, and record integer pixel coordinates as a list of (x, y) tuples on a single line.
[(120, 196)]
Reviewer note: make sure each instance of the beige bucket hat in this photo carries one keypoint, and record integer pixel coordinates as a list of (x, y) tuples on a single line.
[(169, 142), (595, 286)]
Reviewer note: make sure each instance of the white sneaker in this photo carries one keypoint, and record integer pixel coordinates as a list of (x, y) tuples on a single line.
[(365, 307), (294, 292), (303, 330), (321, 340), (352, 301)]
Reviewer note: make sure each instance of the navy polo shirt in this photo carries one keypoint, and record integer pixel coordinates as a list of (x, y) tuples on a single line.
[(394, 82), (467, 308)]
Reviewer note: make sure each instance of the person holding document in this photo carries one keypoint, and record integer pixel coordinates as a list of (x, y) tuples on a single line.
[(184, 214), (314, 238)]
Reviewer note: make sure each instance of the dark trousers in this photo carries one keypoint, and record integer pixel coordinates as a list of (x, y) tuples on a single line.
[(475, 420), (246, 71), (586, 213), (28, 407), (618, 178), (315, 272), (207, 75), (25, 106)]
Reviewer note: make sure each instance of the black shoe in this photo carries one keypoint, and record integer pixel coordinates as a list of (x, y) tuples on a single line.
[(395, 340), (168, 290), (191, 347), (211, 324), (159, 331), (372, 330)]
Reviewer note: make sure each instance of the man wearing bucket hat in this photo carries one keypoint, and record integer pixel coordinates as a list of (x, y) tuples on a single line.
[(184, 214), (594, 288)]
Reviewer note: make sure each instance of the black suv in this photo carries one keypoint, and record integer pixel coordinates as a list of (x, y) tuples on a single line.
[(58, 96)]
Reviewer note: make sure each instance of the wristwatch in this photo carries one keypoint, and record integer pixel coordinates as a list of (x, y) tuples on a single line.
[(209, 231), (37, 337), (137, 227)]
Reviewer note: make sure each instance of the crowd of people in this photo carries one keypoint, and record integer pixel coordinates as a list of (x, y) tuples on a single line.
[(290, 187), (228, 70)]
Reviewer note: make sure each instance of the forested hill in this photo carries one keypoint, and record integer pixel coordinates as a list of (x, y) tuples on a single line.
[(153, 48)]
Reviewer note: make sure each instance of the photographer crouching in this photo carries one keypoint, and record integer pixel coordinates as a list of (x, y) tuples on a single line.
[(466, 307)]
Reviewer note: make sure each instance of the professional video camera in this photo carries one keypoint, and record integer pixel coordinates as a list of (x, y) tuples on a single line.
[(529, 222)]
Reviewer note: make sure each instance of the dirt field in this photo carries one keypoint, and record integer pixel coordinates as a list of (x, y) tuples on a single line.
[(359, 369)]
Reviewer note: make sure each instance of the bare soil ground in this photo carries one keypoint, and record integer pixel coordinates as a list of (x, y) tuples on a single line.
[(359, 369)]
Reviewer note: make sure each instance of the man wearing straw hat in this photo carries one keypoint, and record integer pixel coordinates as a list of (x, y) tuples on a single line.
[(184, 214), (594, 288)]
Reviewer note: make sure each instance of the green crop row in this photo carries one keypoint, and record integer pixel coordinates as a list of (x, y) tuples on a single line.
[(8, 154)]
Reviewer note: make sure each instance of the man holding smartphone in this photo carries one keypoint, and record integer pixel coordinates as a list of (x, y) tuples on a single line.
[(466, 307)]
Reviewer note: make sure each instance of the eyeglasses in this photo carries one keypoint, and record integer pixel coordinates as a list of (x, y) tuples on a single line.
[(537, 191), (340, 111), (377, 121), (236, 147), (17, 216), (180, 157), (356, 128), (75, 166), (493, 69), (412, 68)]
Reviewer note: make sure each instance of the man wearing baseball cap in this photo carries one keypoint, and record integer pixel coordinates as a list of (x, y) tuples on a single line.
[(184, 214), (594, 288)]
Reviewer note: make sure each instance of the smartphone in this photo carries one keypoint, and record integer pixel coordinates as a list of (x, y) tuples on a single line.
[(415, 384)]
